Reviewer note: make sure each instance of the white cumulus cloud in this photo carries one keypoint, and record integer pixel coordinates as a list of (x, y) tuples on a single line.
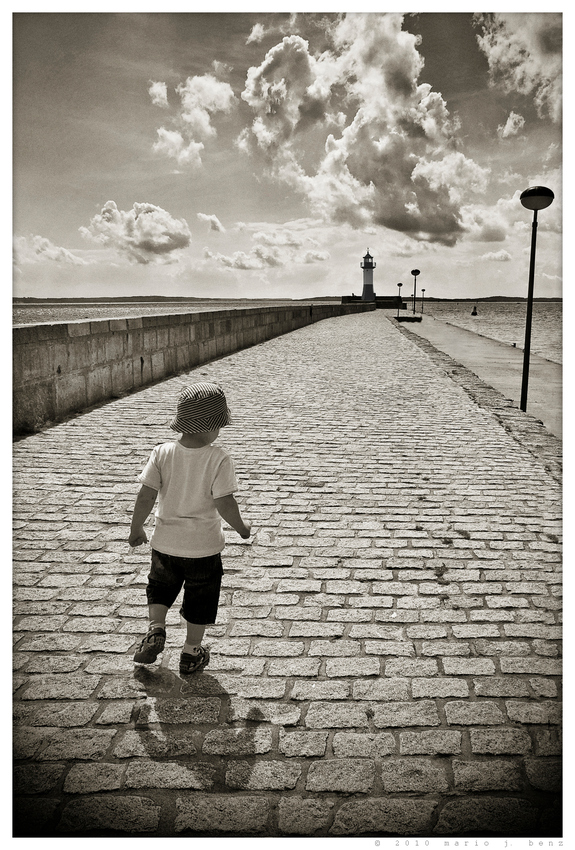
[(37, 249), (272, 249), (159, 93), (200, 99), (497, 256), (171, 143), (524, 53), (256, 35), (144, 234), (390, 144), (512, 126), (213, 221)]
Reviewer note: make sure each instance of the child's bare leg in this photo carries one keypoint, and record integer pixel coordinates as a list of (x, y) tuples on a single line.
[(194, 635), (157, 614)]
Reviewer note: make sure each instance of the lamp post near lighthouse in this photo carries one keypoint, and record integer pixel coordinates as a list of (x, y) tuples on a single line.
[(368, 266), (414, 272)]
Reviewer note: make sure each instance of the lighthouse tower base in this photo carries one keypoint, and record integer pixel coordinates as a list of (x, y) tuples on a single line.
[(368, 294)]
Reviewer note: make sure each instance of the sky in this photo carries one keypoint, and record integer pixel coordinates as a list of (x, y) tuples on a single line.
[(260, 155)]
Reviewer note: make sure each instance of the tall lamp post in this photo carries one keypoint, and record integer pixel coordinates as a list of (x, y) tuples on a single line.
[(399, 285), (422, 300), (414, 272), (536, 198)]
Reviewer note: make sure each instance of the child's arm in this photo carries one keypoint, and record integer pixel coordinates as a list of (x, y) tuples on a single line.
[(145, 501), (229, 511)]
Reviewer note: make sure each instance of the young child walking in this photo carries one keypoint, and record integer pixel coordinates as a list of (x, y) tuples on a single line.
[(194, 481)]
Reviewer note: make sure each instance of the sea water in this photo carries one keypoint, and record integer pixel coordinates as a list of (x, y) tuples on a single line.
[(505, 322), (500, 320)]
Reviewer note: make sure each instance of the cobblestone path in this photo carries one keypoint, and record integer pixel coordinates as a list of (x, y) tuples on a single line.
[(386, 657)]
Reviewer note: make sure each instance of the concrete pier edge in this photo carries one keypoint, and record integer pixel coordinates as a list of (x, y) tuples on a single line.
[(524, 427)]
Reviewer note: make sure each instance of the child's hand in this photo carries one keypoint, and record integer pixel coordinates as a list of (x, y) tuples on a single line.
[(248, 530), (137, 537)]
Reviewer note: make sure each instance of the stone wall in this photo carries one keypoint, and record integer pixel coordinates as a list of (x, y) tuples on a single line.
[(64, 368)]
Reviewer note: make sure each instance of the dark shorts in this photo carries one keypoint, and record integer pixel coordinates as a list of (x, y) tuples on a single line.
[(200, 577)]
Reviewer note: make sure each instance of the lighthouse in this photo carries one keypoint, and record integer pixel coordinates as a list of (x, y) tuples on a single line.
[(368, 266)]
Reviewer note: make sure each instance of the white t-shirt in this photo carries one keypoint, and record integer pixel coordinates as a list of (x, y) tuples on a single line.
[(188, 480)]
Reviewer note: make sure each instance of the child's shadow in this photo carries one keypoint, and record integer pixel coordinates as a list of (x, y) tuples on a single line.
[(189, 719)]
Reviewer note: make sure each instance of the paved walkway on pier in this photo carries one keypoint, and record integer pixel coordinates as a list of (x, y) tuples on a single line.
[(501, 366), (386, 660)]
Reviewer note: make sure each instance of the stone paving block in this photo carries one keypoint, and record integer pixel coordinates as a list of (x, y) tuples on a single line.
[(270, 712), (462, 713), (432, 742), (490, 775), (131, 815), (548, 742), (237, 741), (544, 773), (499, 741), (278, 648), (543, 687), (502, 816), (500, 686), (263, 775), (468, 666), (75, 744), (382, 689), (37, 778), (363, 744), (444, 647), (154, 774), (257, 628), (221, 813), (154, 744), (335, 715), (529, 712), (55, 714), (294, 667), (356, 667), (413, 775), (341, 648), (301, 816), (543, 666), (381, 815), (320, 690), (353, 775), (91, 778), (303, 744), (411, 667), (193, 710), (119, 688)]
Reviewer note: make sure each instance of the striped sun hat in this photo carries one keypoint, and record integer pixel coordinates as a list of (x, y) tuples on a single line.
[(201, 407)]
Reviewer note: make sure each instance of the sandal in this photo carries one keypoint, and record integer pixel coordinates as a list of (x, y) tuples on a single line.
[(192, 663), (151, 646)]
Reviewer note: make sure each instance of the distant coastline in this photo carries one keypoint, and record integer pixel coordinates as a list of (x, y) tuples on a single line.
[(151, 299)]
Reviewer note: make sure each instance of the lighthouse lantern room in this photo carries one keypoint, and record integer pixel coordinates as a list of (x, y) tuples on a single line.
[(368, 266)]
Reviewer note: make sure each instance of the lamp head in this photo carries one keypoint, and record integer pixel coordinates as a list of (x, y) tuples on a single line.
[(536, 198)]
